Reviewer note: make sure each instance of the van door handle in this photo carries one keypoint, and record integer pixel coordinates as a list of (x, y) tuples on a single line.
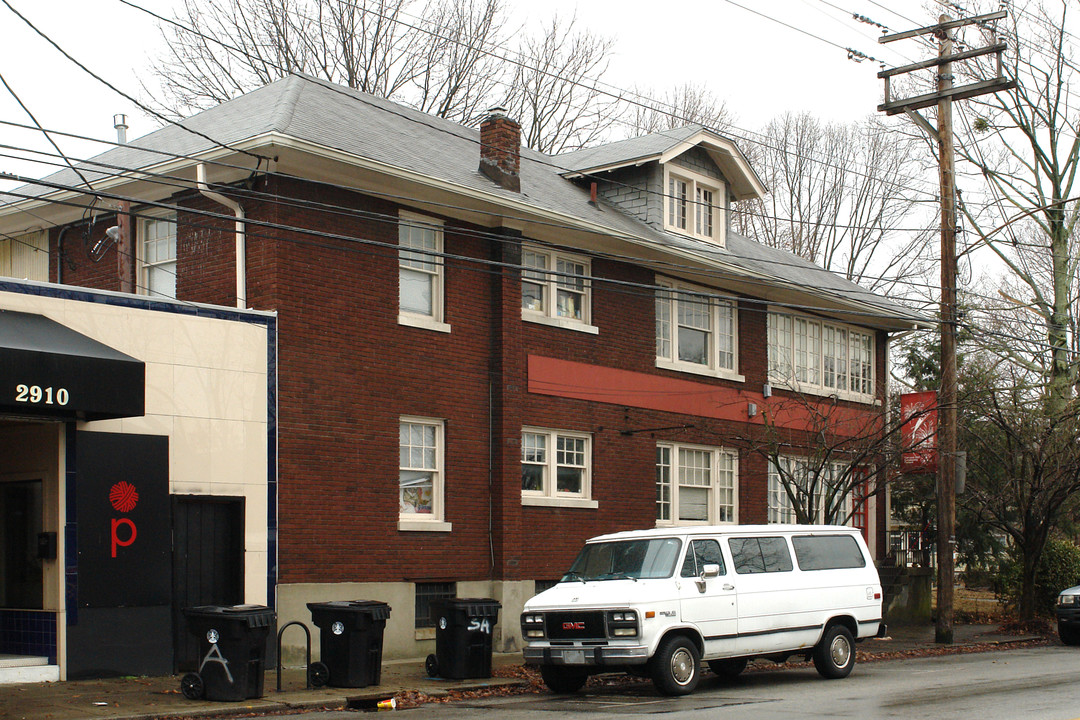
[(728, 586)]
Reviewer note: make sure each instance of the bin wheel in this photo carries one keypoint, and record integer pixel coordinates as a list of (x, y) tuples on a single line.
[(318, 674), (192, 686), (431, 665)]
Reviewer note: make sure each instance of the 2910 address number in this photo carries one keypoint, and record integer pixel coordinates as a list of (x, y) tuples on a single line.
[(37, 395)]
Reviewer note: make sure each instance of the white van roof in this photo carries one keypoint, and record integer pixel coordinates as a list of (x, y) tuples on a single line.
[(694, 530)]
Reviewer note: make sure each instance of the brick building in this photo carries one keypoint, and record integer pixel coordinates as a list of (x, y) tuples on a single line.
[(484, 354)]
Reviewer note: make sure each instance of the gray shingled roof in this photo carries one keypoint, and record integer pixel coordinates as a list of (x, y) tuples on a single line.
[(626, 151), (377, 129)]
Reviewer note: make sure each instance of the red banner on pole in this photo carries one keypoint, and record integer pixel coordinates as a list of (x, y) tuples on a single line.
[(919, 447)]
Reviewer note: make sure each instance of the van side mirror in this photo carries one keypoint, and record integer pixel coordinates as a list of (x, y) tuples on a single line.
[(710, 570)]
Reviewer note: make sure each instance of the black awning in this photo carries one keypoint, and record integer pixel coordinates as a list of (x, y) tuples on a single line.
[(49, 370)]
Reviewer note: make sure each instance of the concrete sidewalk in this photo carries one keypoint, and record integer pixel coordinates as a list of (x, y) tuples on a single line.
[(145, 698)]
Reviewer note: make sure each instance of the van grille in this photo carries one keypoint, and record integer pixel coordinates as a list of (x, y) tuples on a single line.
[(575, 625)]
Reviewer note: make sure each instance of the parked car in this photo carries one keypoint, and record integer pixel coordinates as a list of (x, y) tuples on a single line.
[(1068, 616), (657, 602)]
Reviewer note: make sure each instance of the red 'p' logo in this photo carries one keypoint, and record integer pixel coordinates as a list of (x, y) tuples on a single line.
[(116, 541)]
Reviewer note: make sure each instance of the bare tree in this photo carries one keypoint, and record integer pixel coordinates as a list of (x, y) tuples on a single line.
[(683, 105), (554, 90), (825, 456), (1022, 146), (842, 196), (450, 58)]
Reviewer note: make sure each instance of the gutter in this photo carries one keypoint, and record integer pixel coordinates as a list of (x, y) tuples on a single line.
[(241, 235)]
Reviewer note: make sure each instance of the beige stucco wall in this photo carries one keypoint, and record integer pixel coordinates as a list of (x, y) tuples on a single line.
[(401, 639), (206, 389)]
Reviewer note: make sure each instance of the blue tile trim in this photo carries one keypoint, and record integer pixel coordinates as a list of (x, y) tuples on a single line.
[(28, 632)]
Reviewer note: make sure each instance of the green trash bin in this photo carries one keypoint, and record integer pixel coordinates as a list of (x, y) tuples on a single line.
[(232, 651), (350, 640), (463, 628)]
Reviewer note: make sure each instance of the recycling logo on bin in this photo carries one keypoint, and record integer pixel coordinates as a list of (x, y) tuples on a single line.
[(212, 636), (442, 623), (337, 628)]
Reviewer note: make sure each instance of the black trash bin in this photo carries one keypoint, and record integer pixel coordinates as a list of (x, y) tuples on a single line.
[(350, 637), (232, 651), (463, 628)]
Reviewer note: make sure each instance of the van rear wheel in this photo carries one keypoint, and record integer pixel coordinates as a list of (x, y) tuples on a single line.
[(834, 656), (563, 680), (676, 667), (729, 668)]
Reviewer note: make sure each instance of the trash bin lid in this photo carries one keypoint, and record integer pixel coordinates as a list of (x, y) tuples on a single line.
[(252, 615), (378, 610), (245, 608)]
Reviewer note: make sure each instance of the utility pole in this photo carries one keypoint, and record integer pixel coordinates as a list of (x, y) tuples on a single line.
[(947, 427)]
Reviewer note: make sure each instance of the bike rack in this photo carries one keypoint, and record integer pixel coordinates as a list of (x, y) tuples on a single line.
[(307, 665)]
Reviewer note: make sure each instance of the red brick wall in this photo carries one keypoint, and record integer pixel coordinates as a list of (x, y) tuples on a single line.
[(347, 371)]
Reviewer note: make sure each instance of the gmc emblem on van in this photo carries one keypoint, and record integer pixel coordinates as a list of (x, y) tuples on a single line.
[(578, 625)]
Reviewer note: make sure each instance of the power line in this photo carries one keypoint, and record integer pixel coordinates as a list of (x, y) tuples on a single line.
[(615, 93), (115, 89), (452, 256)]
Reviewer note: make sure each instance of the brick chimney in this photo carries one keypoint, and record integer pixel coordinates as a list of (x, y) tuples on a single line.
[(500, 149)]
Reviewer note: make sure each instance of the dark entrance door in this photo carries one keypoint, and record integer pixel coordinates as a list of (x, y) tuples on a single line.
[(20, 524), (208, 562)]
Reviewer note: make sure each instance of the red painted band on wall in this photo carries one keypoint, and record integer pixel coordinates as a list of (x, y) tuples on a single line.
[(582, 381)]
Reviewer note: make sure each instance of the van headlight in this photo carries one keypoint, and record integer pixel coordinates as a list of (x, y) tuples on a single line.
[(1068, 600), (622, 623), (532, 625)]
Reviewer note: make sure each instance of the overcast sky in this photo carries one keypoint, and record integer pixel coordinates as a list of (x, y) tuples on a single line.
[(791, 56)]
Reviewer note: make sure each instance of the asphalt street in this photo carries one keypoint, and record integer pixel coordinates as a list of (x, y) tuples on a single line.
[(1041, 683)]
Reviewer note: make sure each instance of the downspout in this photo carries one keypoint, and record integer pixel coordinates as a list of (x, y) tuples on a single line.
[(241, 237)]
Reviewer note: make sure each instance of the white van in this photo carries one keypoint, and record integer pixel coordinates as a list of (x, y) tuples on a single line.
[(661, 601)]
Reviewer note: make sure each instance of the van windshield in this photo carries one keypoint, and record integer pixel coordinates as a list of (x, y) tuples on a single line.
[(625, 559)]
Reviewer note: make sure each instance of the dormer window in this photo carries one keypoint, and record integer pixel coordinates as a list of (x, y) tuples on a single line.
[(692, 204)]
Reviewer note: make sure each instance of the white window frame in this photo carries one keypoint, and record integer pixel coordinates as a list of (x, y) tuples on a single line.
[(802, 357), (667, 306), (723, 486), (781, 509), (435, 520), (549, 495), (409, 222), (683, 212), (551, 280), (142, 285)]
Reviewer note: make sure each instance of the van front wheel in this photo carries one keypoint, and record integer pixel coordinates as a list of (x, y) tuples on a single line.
[(563, 680), (834, 656), (676, 667)]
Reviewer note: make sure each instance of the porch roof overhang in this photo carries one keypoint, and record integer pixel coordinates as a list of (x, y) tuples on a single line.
[(49, 371)]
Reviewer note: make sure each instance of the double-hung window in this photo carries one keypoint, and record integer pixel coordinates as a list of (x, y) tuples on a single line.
[(819, 357), (695, 485), (156, 252), (421, 476), (695, 331), (692, 204), (420, 272), (793, 475), (555, 289), (556, 468)]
